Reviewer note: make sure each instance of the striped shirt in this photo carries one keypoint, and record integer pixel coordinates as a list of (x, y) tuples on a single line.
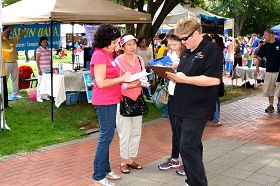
[(45, 58)]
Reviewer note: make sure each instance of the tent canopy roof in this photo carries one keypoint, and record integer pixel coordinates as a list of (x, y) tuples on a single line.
[(276, 29), (70, 11), (181, 11)]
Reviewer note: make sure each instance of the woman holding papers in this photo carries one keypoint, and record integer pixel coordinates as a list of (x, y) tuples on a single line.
[(129, 128), (105, 97), (175, 49)]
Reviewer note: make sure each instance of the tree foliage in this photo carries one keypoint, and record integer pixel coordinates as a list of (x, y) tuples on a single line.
[(249, 15), (8, 2), (149, 30)]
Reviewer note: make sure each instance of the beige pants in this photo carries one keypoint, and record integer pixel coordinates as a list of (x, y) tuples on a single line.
[(270, 87), (129, 130), (12, 69)]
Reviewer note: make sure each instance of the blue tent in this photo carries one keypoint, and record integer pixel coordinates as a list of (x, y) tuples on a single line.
[(276, 29)]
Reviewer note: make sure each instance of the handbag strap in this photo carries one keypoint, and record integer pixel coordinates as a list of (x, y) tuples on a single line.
[(140, 63)]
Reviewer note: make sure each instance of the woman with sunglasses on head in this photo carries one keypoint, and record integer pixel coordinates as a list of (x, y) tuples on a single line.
[(129, 128), (105, 97), (174, 51)]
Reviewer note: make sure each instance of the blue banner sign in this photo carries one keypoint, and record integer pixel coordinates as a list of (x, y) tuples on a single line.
[(32, 34)]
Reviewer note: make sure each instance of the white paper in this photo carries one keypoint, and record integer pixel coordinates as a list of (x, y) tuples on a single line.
[(137, 76)]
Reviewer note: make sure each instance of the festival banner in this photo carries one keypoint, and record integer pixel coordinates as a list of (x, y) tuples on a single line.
[(32, 34), (90, 31)]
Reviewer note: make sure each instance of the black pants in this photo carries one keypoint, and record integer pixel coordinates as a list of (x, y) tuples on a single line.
[(5, 89), (190, 133), (175, 142)]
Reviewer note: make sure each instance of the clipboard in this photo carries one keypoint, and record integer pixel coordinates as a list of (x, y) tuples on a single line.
[(160, 70)]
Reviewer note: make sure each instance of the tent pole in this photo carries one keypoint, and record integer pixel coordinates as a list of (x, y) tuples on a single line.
[(51, 34), (3, 124), (152, 39), (73, 56)]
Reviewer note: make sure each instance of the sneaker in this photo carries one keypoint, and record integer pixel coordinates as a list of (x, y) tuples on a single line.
[(269, 109), (169, 164), (278, 107), (217, 124), (181, 171), (47, 99), (40, 100), (112, 176), (103, 182)]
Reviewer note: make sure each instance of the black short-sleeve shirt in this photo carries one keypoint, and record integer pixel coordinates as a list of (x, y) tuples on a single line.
[(271, 51), (193, 101)]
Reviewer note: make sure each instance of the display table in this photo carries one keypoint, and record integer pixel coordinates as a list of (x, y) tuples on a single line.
[(248, 73), (73, 81)]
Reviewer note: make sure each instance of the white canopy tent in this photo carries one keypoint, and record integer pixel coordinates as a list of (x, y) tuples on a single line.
[(70, 11), (182, 11)]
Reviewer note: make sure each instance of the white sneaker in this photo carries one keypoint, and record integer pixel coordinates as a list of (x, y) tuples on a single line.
[(103, 182), (47, 98), (112, 176), (40, 100)]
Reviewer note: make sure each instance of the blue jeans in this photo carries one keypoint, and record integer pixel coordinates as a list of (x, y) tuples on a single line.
[(216, 116), (189, 133), (175, 143), (107, 122)]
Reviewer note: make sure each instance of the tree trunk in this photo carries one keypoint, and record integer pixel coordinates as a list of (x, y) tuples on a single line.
[(149, 31), (130, 29)]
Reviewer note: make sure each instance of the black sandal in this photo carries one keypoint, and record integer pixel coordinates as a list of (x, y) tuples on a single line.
[(135, 165), (125, 169)]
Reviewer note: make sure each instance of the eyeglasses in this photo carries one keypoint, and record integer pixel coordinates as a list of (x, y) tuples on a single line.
[(187, 37)]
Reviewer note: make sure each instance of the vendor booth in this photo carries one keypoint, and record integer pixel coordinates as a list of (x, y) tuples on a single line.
[(69, 11)]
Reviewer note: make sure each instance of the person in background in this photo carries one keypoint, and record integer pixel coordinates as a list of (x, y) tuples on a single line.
[(43, 61), (175, 49), (216, 116), (254, 41), (271, 51), (229, 55), (263, 60), (11, 61), (198, 76), (162, 46), (26, 55), (5, 54), (129, 128), (237, 54), (105, 97), (147, 55)]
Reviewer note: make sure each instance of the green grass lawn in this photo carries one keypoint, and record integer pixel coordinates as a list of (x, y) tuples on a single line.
[(32, 127)]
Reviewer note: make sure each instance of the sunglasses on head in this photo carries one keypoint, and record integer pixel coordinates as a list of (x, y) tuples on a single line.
[(187, 37)]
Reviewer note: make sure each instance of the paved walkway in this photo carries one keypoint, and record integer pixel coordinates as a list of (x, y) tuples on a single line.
[(244, 151)]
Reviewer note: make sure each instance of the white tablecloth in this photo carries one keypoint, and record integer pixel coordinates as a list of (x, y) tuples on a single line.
[(61, 84), (248, 73)]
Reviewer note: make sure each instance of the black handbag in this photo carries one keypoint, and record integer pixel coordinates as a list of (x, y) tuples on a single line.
[(130, 108), (221, 91)]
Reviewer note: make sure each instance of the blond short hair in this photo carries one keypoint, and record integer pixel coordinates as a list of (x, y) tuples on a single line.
[(187, 25)]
